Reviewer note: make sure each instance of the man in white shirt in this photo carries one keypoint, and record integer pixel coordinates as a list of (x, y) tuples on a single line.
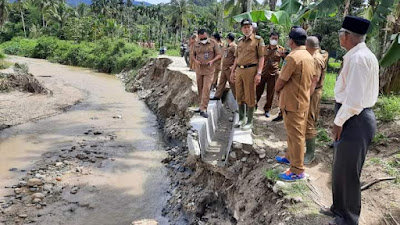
[(356, 92)]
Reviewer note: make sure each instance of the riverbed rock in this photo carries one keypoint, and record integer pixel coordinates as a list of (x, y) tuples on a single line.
[(36, 200), (145, 222), (38, 195), (34, 182), (74, 190), (23, 216), (17, 191)]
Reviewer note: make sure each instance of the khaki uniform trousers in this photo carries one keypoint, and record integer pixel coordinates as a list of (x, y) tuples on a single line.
[(295, 124), (225, 77), (204, 82), (269, 80), (313, 114), (216, 73), (245, 86)]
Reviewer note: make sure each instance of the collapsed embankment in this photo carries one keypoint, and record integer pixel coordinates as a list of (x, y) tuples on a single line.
[(168, 94), (239, 193)]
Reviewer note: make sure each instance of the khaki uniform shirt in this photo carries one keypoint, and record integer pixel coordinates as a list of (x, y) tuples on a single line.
[(272, 60), (297, 71), (249, 50), (221, 47), (229, 56), (319, 68), (325, 56), (205, 53)]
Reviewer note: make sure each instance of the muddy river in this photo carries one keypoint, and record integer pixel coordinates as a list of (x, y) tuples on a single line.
[(130, 187)]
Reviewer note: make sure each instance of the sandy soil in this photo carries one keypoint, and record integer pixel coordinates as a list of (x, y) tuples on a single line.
[(21, 107)]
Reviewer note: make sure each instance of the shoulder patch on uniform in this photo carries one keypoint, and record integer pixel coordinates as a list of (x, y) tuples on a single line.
[(258, 37)]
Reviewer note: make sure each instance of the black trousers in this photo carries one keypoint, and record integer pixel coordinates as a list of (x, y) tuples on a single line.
[(348, 160)]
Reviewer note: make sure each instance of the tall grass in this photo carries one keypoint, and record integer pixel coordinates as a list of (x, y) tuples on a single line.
[(108, 55), (328, 91)]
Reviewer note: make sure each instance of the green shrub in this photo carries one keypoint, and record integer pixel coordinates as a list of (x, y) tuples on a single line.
[(45, 47), (388, 108), (107, 55), (20, 46)]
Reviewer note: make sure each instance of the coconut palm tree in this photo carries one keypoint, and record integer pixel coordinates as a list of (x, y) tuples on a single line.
[(181, 11)]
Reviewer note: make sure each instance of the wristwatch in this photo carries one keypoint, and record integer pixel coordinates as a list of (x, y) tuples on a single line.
[(259, 73)]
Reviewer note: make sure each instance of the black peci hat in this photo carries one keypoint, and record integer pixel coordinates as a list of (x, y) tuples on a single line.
[(356, 24), (231, 36), (298, 34), (246, 22)]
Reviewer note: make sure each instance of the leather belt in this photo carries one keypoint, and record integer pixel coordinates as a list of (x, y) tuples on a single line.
[(246, 66)]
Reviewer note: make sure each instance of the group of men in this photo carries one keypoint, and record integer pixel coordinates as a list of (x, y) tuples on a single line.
[(251, 65)]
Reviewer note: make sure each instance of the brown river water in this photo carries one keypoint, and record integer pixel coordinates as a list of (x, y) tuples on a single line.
[(132, 187)]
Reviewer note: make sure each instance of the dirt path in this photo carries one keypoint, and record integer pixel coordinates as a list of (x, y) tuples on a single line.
[(100, 160)]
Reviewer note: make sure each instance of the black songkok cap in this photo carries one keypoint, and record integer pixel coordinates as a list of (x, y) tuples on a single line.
[(298, 34), (356, 24)]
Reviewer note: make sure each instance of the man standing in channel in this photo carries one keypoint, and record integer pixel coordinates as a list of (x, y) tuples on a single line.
[(273, 55), (246, 73), (227, 63), (206, 52)]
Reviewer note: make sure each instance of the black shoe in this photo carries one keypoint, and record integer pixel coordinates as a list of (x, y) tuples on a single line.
[(196, 111), (204, 114), (326, 211), (278, 118), (215, 98), (332, 145)]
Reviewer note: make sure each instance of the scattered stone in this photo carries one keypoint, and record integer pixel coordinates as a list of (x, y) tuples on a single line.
[(34, 182), (245, 152), (261, 156), (270, 161), (232, 154), (58, 179), (38, 206), (38, 195), (244, 159), (81, 156), (231, 119), (36, 200), (17, 191), (78, 169), (74, 190), (97, 133), (23, 216), (58, 164), (145, 222), (117, 117), (39, 175), (13, 169)]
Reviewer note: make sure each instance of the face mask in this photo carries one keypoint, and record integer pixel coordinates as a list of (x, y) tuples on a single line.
[(273, 42), (204, 41)]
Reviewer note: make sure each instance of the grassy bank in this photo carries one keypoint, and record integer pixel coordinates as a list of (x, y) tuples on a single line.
[(109, 56), (328, 91)]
